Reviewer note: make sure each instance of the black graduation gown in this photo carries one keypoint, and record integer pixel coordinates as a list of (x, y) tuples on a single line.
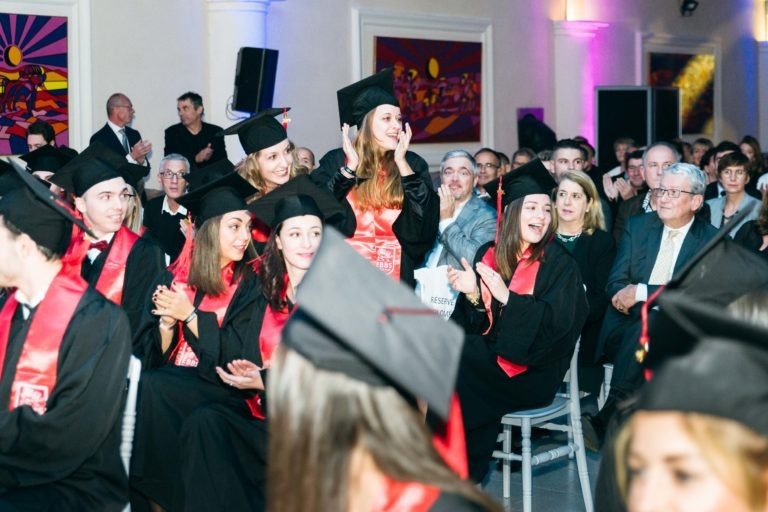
[(224, 449), (538, 330), (145, 263), (415, 227), (169, 395), (69, 457)]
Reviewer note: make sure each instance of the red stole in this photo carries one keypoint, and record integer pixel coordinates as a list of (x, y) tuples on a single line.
[(269, 338), (183, 355), (522, 283), (36, 369), (112, 276), (408, 497), (374, 238), (450, 441)]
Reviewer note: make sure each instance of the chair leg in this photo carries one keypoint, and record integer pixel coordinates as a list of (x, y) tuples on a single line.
[(526, 469), (506, 447), (581, 462)]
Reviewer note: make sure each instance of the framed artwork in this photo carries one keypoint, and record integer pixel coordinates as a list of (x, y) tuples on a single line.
[(42, 51), (443, 75), (693, 67), (33, 78)]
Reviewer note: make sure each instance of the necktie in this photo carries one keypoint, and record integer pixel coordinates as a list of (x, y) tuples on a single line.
[(662, 269), (124, 140), (100, 245)]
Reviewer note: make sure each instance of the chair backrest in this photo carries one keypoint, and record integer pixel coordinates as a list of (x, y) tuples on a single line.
[(129, 413), (572, 375)]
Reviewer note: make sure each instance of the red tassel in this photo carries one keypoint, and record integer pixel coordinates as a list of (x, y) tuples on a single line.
[(644, 338), (286, 119), (498, 208)]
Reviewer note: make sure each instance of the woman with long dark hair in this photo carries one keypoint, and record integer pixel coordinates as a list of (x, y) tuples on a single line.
[(389, 188), (224, 448), (523, 307), (200, 318)]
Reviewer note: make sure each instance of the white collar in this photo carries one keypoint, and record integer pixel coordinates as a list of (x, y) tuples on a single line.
[(166, 208)]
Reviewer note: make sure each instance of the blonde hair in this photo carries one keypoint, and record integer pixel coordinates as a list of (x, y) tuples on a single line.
[(737, 454), (594, 218), (250, 170), (380, 185), (133, 213), (318, 418)]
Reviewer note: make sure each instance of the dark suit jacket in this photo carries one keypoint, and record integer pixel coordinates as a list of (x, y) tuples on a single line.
[(107, 137), (634, 263)]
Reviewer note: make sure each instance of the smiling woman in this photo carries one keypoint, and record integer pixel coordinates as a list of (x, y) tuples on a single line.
[(388, 187), (517, 359)]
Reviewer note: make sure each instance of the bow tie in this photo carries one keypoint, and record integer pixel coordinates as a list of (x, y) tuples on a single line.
[(100, 245)]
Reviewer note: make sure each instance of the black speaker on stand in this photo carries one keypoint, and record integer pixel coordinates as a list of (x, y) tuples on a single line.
[(254, 79), (646, 114)]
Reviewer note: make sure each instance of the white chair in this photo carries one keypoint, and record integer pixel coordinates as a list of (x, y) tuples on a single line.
[(605, 388), (563, 405), (129, 415)]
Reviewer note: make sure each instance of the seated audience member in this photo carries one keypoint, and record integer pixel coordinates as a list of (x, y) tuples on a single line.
[(488, 166), (707, 395), (119, 263), (306, 157), (506, 165), (699, 147), (466, 221), (750, 146), (572, 155), (589, 161), (621, 147), (65, 351), (753, 234), (652, 247), (224, 447), (545, 156), (733, 173), (628, 182), (198, 318), (39, 134), (45, 161), (164, 218), (523, 306), (193, 138), (656, 158), (346, 399), (580, 228), (521, 157), (715, 189), (708, 166)]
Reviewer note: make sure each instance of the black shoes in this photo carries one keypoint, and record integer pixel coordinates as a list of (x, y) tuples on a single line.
[(594, 432)]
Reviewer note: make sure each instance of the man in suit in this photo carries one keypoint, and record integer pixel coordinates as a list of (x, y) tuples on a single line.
[(164, 218), (466, 221), (653, 246), (118, 136)]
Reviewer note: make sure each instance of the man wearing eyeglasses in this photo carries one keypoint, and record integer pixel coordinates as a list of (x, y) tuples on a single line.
[(653, 246), (488, 165), (164, 218)]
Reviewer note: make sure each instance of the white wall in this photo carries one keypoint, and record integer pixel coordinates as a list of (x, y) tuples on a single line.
[(154, 51)]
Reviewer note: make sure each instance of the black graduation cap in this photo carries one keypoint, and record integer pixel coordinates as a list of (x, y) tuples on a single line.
[(97, 163), (354, 319), (530, 178), (220, 196), (299, 196), (36, 211), (724, 374), (8, 178), (47, 158), (198, 177), (356, 100), (259, 131)]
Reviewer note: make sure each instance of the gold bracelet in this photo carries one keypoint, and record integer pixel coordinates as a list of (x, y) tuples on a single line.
[(474, 298)]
